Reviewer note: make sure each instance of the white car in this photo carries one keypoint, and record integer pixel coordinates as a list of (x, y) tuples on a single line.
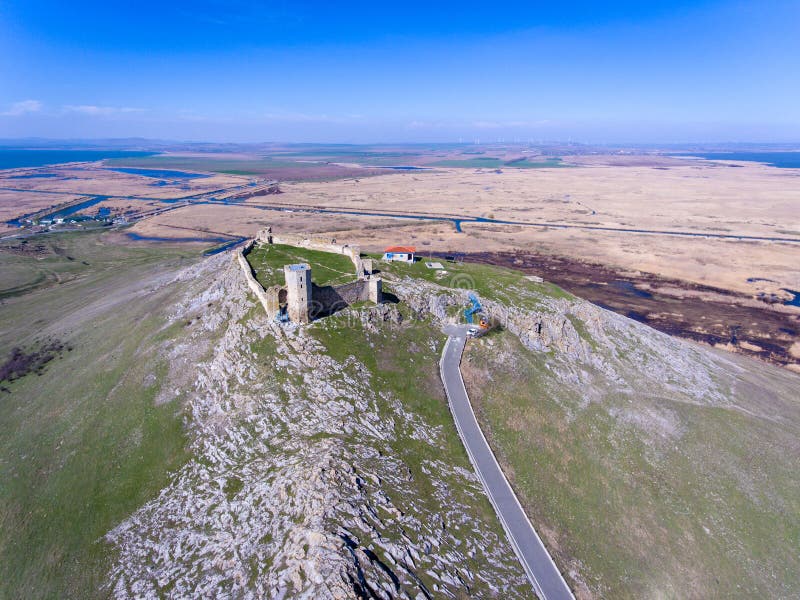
[(473, 332)]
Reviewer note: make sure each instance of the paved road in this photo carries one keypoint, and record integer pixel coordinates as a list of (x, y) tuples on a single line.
[(539, 566), (458, 220)]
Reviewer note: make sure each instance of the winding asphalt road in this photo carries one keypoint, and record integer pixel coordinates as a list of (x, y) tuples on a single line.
[(544, 576)]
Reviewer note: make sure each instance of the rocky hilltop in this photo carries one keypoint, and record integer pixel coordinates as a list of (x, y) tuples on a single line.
[(293, 489), (185, 445), (302, 484)]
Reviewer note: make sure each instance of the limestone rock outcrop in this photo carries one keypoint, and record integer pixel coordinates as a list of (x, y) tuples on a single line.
[(289, 492)]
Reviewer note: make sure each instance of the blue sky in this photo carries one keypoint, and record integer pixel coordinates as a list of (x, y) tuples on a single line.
[(238, 70)]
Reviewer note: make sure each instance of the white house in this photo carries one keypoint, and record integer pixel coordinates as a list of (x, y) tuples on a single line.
[(400, 253)]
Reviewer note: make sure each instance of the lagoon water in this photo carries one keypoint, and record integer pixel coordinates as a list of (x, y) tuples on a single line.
[(224, 242), (35, 176), (782, 160), (15, 158), (159, 173), (71, 210), (402, 168), (795, 301)]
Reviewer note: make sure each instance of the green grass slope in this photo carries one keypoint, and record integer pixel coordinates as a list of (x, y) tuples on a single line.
[(106, 432), (84, 443), (268, 261), (403, 363), (645, 492), (653, 467)]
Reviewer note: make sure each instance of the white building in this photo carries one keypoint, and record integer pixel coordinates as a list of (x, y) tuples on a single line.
[(400, 253)]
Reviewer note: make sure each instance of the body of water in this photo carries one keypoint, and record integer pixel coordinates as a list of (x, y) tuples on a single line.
[(35, 176), (64, 213), (783, 160), (224, 247), (795, 301), (71, 210), (152, 238), (224, 242), (15, 158), (402, 168), (629, 288), (159, 173)]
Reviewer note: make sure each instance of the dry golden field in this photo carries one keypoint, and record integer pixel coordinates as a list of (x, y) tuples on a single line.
[(59, 184), (690, 197), (602, 227)]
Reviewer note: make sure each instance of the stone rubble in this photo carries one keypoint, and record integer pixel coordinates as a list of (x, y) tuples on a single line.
[(288, 493), (611, 344)]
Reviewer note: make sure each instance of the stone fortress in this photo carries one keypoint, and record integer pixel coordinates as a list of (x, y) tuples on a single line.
[(300, 300)]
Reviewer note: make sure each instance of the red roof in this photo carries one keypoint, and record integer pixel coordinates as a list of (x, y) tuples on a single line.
[(401, 249)]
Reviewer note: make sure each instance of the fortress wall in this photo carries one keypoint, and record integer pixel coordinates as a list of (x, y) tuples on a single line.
[(324, 299), (375, 290), (328, 298), (273, 300), (268, 301), (325, 245), (356, 291)]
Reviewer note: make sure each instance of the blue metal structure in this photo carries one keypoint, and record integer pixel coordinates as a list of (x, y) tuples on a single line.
[(474, 309), (282, 316)]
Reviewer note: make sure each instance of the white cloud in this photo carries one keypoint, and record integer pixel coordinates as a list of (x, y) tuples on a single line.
[(505, 124), (190, 115), (428, 125), (269, 117), (293, 117), (476, 124), (101, 111), (23, 108)]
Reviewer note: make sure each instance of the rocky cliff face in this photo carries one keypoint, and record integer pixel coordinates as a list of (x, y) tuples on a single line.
[(297, 486), (583, 336), (291, 492), (653, 467)]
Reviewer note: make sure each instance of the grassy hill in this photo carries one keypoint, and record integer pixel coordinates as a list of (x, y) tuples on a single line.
[(654, 467), (162, 438), (83, 441), (180, 445), (646, 492)]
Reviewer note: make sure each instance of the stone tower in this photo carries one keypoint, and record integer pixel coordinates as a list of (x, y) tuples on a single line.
[(298, 291), (375, 289)]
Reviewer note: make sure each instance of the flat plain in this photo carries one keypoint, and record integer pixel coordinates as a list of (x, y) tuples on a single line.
[(747, 200), (709, 250), (696, 198)]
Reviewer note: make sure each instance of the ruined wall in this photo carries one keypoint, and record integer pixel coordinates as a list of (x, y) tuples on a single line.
[(375, 290), (273, 294), (325, 300), (328, 299), (368, 266), (268, 301), (323, 244)]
